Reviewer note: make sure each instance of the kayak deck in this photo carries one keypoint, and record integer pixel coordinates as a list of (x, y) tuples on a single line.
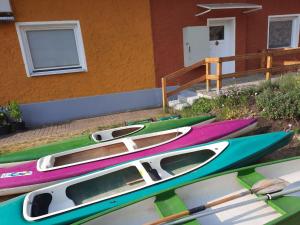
[(113, 149)]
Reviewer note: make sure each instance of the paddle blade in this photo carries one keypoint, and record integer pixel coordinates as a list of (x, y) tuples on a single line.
[(269, 185), (272, 189), (291, 187)]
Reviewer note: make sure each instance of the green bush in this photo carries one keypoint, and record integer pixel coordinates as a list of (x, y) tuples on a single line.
[(201, 106), (14, 111), (282, 100)]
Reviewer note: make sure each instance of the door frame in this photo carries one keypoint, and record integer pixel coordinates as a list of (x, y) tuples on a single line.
[(233, 19)]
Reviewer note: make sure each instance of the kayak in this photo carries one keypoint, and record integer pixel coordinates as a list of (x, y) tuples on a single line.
[(282, 211), (15, 158), (78, 198), (139, 129), (53, 168)]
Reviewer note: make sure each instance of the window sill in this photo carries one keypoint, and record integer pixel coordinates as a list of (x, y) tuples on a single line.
[(56, 72)]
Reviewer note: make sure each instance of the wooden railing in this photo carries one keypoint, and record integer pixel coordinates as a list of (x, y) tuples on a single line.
[(176, 75), (267, 67)]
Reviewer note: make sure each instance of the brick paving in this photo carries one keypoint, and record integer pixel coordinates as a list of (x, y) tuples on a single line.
[(61, 131)]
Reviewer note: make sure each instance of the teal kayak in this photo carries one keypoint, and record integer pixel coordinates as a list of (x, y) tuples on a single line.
[(85, 140), (96, 192)]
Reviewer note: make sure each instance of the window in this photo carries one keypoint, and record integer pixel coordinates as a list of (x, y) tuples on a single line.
[(51, 47), (216, 33), (283, 32)]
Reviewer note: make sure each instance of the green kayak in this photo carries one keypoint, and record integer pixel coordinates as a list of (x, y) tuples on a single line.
[(14, 158), (245, 210)]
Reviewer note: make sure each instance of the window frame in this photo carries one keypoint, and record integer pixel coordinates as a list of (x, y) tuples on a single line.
[(22, 27), (295, 28)]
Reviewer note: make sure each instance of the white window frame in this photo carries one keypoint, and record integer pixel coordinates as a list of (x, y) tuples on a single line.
[(295, 28), (22, 27)]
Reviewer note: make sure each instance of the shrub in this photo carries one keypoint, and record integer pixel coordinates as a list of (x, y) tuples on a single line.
[(279, 104), (200, 106), (14, 111)]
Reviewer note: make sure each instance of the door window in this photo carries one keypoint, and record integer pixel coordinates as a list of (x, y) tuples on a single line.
[(216, 33)]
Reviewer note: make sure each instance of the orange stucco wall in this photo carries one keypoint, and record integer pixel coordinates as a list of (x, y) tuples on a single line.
[(118, 46)]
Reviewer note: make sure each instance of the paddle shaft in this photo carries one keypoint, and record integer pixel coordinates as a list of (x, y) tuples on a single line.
[(262, 198), (205, 206), (198, 208)]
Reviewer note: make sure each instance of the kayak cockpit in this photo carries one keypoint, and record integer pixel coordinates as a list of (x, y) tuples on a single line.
[(108, 135), (109, 149), (119, 180)]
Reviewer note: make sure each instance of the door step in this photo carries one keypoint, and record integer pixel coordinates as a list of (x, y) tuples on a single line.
[(184, 99)]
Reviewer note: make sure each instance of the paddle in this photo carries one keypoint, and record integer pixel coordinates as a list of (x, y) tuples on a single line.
[(273, 185), (290, 190)]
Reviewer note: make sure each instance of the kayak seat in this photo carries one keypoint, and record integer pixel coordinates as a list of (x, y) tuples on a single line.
[(40, 204), (152, 172), (169, 203), (47, 162)]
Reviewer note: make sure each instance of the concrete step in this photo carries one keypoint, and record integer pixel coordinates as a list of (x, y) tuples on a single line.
[(173, 103), (181, 106), (185, 95)]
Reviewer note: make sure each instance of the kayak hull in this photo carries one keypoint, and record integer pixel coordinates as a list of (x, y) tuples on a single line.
[(240, 151)]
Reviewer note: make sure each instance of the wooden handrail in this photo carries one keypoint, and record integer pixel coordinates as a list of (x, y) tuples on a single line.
[(186, 85), (242, 57), (184, 70), (175, 75), (267, 67)]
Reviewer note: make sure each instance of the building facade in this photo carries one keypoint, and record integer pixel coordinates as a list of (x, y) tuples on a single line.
[(69, 59)]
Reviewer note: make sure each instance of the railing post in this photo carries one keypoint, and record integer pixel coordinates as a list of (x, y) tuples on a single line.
[(207, 72), (263, 59), (219, 74), (164, 94), (269, 66)]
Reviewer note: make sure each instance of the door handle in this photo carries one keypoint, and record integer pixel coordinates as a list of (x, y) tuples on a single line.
[(188, 46), (216, 43)]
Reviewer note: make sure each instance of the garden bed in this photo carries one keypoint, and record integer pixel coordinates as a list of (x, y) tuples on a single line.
[(276, 105)]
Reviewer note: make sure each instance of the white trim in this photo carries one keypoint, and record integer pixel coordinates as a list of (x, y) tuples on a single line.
[(108, 133), (22, 27), (46, 163), (295, 28), (218, 148), (218, 6)]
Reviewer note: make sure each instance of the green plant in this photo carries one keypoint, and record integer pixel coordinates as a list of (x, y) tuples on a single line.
[(279, 104), (201, 106), (234, 103), (14, 111)]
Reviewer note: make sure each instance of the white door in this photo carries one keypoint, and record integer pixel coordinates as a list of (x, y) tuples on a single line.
[(195, 44), (222, 42)]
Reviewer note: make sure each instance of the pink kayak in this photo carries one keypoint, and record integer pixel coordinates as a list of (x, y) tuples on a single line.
[(54, 168)]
